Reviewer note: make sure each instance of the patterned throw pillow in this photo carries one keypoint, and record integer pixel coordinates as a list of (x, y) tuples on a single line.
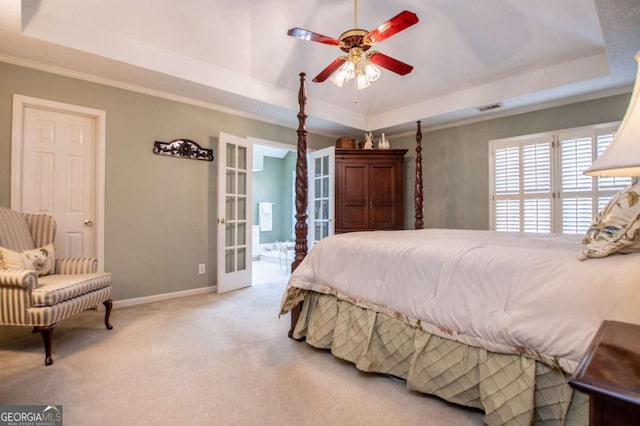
[(616, 227), (41, 260)]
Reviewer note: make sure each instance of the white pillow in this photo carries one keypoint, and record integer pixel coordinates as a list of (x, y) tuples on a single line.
[(41, 260), (616, 227)]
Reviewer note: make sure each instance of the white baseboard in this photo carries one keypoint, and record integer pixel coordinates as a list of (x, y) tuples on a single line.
[(165, 296)]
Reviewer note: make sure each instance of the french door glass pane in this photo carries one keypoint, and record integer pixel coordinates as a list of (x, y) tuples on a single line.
[(229, 260), (230, 235), (242, 183), (231, 182), (242, 256), (231, 155), (242, 209), (242, 158), (230, 208), (242, 233)]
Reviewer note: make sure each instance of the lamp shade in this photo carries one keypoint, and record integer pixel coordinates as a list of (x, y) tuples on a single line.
[(622, 156)]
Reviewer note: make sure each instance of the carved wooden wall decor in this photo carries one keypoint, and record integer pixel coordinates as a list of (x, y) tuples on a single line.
[(183, 148)]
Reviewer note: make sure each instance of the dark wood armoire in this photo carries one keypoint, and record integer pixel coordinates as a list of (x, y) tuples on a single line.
[(369, 189)]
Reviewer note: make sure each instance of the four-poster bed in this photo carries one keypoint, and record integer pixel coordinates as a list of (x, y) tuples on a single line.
[(488, 320)]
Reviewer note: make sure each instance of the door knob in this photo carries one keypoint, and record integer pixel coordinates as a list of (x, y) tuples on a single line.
[(88, 223)]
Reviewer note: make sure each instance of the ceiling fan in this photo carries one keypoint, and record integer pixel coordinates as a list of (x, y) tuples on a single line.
[(356, 42)]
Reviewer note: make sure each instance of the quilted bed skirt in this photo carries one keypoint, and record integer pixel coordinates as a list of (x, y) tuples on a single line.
[(508, 388)]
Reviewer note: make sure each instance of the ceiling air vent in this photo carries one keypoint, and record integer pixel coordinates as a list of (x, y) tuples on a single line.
[(490, 107)]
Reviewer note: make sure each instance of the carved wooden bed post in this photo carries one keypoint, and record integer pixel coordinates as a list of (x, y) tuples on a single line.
[(301, 193), (419, 204)]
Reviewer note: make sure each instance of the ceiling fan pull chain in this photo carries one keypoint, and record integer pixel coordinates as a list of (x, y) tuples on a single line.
[(355, 91)]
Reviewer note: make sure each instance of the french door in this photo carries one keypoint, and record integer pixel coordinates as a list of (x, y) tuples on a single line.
[(234, 212), (321, 209)]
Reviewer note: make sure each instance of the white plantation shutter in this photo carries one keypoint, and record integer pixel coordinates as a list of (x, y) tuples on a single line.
[(537, 215), (507, 170), (537, 183), (507, 215), (507, 184), (522, 185), (536, 178), (576, 198)]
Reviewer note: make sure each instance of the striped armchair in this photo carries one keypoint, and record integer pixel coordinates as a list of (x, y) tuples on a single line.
[(27, 299)]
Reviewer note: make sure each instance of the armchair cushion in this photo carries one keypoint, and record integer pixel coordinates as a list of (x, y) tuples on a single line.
[(41, 260), (54, 289)]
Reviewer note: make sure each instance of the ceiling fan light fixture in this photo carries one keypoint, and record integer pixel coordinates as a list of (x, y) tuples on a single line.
[(373, 72), (362, 81), (345, 73), (356, 42), (338, 78)]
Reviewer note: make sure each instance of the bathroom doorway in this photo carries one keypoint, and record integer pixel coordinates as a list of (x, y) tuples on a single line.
[(273, 218)]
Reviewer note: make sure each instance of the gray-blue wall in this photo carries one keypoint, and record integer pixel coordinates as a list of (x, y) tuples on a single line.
[(273, 184)]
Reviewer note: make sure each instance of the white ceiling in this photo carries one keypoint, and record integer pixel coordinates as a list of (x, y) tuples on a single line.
[(236, 56)]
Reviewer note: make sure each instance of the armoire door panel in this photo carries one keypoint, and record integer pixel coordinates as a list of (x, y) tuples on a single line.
[(383, 183), (383, 217), (355, 184), (354, 216)]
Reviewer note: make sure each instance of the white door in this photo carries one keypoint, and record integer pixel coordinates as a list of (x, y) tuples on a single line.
[(55, 154), (321, 194), (235, 158)]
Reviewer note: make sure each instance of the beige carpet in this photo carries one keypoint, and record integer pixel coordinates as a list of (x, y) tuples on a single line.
[(204, 360)]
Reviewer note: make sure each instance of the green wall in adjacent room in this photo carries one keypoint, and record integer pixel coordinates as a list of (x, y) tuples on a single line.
[(273, 185)]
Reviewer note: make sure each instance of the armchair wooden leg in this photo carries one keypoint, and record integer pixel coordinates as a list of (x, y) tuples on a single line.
[(108, 304), (46, 332)]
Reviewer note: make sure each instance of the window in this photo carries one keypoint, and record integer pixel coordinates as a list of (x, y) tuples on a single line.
[(537, 185)]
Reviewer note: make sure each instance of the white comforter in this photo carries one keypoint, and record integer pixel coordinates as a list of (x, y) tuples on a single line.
[(507, 292)]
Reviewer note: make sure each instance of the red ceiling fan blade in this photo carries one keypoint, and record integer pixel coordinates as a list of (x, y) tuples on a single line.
[(389, 63), (330, 69), (309, 35), (401, 21)]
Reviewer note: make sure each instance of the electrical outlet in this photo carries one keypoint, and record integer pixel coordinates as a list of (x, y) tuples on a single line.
[(201, 269)]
